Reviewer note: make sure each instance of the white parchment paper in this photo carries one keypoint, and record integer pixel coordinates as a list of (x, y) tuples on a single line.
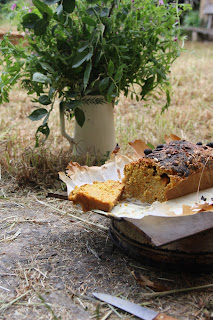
[(77, 175)]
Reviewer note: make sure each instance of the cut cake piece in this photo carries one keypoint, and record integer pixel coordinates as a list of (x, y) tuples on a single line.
[(99, 195), (169, 171)]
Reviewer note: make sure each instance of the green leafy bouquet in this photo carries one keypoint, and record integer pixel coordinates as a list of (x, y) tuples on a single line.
[(75, 48)]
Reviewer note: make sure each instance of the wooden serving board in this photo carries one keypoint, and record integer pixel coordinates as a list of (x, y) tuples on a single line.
[(164, 230), (193, 253)]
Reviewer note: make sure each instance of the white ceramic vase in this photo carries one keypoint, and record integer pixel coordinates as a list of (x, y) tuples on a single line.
[(96, 137)]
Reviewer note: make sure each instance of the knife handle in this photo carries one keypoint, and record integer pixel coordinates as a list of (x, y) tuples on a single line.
[(162, 316)]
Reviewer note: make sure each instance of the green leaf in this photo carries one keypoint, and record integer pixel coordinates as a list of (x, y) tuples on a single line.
[(46, 67), (51, 92), (110, 68), (168, 101), (40, 27), (148, 86), (104, 12), (79, 60), (49, 2), (87, 74), (79, 116), (29, 20), (92, 1), (160, 74), (90, 54), (90, 12), (44, 100), (59, 11), (101, 28), (63, 46), (44, 129), (40, 77), (89, 21), (43, 8), (53, 29), (150, 146), (103, 84), (46, 118), (69, 104), (118, 75), (125, 11), (69, 5), (110, 94), (38, 114), (83, 56), (83, 46)]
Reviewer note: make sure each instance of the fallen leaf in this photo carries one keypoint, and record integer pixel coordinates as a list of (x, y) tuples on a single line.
[(117, 148), (143, 281), (172, 137), (189, 210), (139, 146)]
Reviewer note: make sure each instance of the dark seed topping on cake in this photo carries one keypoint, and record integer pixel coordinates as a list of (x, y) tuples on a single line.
[(210, 144), (203, 198), (199, 143), (147, 151), (160, 146), (181, 157)]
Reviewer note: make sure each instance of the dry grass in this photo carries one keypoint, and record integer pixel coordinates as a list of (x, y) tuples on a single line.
[(189, 117)]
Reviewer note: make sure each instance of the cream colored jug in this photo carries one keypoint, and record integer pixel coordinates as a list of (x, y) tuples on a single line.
[(97, 135)]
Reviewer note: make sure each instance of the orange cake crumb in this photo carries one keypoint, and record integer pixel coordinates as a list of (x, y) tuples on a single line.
[(99, 195)]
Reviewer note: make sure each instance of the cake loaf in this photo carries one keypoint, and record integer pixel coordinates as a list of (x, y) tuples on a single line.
[(99, 195), (169, 171)]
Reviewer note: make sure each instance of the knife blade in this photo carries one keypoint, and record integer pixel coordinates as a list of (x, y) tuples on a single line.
[(133, 308)]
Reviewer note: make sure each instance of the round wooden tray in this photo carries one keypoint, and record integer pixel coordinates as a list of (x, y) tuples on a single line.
[(194, 253)]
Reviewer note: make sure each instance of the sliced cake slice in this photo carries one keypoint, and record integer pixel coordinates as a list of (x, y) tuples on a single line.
[(99, 195)]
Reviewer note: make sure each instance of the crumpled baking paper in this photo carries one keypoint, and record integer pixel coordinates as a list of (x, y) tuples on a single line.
[(77, 175)]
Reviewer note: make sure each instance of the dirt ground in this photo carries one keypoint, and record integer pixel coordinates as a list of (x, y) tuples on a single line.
[(51, 263)]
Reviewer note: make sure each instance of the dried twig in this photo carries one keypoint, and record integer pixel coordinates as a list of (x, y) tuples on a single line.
[(92, 251), (7, 305), (48, 306), (81, 303), (107, 315), (158, 294), (3, 288), (115, 311), (13, 237)]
